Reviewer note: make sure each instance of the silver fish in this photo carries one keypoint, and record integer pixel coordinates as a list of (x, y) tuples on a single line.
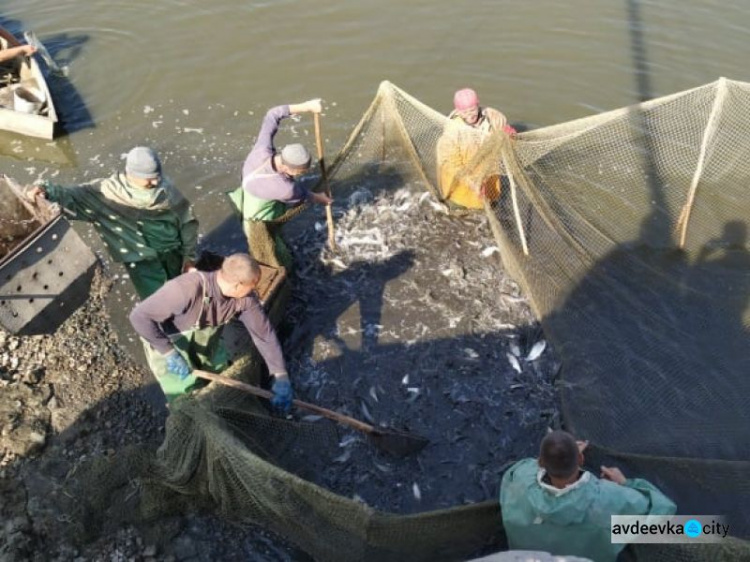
[(382, 467), (337, 262), (439, 207), (536, 350), (366, 413), (374, 394), (348, 440), (513, 360), (413, 394), (343, 457)]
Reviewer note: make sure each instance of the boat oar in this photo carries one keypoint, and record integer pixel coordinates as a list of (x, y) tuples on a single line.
[(397, 443), (326, 185), (32, 40)]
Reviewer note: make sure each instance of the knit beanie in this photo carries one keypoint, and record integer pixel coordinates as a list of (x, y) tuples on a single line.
[(296, 156), (143, 163)]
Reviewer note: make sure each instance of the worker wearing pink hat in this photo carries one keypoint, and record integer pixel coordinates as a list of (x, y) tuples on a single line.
[(470, 125), (466, 106)]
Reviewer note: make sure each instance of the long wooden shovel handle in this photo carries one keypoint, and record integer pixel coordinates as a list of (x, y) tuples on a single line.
[(330, 414), (324, 173)]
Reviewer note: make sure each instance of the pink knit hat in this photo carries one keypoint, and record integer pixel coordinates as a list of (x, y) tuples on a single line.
[(465, 99)]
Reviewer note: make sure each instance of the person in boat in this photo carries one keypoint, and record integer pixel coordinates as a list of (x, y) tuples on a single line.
[(145, 222), (181, 327), (552, 504), (270, 186), (10, 53), (468, 127)]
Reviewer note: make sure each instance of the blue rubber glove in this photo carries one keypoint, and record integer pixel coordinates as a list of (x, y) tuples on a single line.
[(282, 394), (177, 366)]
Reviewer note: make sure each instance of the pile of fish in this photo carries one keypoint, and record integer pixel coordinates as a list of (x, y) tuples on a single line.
[(412, 323)]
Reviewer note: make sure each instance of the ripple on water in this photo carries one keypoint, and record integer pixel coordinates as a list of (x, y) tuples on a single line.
[(87, 95)]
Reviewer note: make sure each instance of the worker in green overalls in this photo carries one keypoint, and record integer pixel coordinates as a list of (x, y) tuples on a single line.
[(181, 324), (269, 186), (145, 223)]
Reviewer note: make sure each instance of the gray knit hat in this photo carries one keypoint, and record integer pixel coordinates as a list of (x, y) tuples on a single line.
[(143, 163), (296, 156)]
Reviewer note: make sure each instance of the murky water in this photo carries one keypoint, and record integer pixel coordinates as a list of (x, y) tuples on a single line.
[(193, 78)]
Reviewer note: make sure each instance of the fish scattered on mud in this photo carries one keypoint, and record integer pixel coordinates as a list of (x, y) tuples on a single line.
[(407, 324)]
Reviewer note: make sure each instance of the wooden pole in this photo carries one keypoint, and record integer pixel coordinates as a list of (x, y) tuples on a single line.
[(516, 211), (330, 414), (708, 136), (324, 174)]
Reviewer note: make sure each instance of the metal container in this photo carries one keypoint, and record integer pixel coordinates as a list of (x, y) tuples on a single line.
[(45, 267), (27, 99)]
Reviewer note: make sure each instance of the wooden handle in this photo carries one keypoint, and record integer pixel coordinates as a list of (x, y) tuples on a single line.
[(330, 414), (326, 185), (319, 145), (516, 210)]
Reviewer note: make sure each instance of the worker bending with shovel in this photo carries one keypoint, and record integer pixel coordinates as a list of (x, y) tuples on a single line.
[(181, 326), (270, 186)]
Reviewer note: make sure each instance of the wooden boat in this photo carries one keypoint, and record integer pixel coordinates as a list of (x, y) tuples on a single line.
[(18, 78)]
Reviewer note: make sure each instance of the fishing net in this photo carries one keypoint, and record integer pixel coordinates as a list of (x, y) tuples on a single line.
[(626, 229), (16, 221), (223, 451), (264, 238), (628, 232)]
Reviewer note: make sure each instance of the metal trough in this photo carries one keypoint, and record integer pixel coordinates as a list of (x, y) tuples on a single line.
[(45, 268)]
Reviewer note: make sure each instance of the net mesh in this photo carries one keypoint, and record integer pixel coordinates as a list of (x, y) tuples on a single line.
[(627, 231)]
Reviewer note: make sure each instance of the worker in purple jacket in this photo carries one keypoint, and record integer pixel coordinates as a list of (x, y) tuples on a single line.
[(269, 186), (181, 326)]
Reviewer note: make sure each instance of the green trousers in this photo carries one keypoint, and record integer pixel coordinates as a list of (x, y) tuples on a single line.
[(149, 275), (202, 349)]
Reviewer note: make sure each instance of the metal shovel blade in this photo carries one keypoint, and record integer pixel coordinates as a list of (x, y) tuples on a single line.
[(397, 443)]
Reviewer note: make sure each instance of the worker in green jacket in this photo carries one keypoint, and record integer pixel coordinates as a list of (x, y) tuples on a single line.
[(146, 224), (552, 504)]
